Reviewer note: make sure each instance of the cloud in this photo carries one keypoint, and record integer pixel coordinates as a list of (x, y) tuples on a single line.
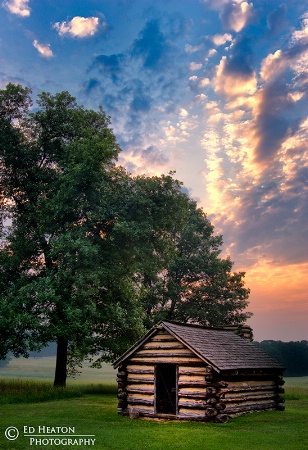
[(79, 27), (183, 112), (151, 46), (277, 19), (221, 39), (149, 160), (275, 64), (303, 33), (236, 14), (192, 49), (277, 99), (19, 7), (111, 65), (43, 49), (272, 122), (204, 82), (193, 66), (235, 74), (256, 152), (216, 4), (141, 101)]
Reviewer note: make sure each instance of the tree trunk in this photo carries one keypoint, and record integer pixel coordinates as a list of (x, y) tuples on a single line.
[(61, 362)]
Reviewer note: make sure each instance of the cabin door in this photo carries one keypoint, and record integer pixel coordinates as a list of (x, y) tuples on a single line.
[(166, 388)]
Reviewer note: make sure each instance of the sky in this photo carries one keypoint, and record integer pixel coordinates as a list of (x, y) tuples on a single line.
[(215, 90)]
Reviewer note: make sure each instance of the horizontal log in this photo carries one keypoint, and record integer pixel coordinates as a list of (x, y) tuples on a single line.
[(242, 375), (143, 410), (192, 376), (191, 383), (248, 408), (166, 345), (199, 395), (248, 388), (191, 404), (191, 392), (180, 352), (141, 376), (164, 360), (145, 390), (192, 370), (140, 401), (141, 369), (249, 397), (193, 414), (251, 382), (137, 380), (142, 385), (193, 417), (162, 334)]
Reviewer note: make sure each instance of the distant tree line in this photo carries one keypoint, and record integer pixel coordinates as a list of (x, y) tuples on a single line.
[(292, 355)]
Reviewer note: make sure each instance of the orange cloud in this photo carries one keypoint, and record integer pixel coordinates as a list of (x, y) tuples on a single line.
[(233, 84)]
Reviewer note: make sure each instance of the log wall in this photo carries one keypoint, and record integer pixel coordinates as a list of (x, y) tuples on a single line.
[(202, 394)]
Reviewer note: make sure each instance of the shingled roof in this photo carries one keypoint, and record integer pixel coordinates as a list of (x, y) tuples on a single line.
[(222, 349)]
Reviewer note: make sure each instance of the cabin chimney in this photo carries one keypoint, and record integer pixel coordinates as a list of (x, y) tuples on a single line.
[(244, 331)]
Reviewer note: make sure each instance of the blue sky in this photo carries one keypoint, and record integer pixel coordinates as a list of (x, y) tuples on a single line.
[(214, 89)]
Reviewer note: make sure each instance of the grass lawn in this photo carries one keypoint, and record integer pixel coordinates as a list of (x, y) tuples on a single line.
[(92, 410)]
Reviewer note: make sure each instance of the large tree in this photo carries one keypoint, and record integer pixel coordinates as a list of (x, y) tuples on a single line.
[(61, 270)]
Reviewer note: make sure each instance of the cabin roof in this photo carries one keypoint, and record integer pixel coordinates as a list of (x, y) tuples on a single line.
[(220, 348)]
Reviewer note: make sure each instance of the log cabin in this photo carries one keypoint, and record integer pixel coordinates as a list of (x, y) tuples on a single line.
[(186, 371)]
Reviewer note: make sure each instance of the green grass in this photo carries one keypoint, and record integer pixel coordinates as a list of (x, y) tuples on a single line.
[(27, 391), (95, 412), (44, 368)]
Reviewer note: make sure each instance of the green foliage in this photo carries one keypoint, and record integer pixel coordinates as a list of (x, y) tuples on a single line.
[(195, 284), (92, 256), (57, 168), (292, 355)]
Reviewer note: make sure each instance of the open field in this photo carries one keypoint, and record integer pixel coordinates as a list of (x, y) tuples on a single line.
[(44, 368), (92, 410)]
